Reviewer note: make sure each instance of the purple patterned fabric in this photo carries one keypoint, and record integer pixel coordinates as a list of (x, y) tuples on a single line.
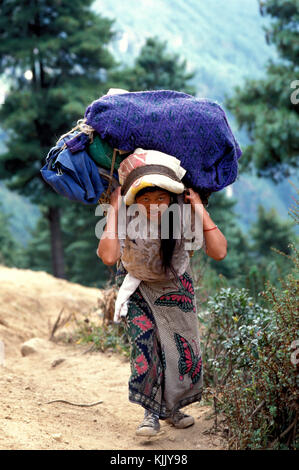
[(196, 131)]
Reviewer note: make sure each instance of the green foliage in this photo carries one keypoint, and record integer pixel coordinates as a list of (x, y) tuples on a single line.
[(22, 215), (251, 363), (9, 248), (37, 253), (283, 31), (251, 191), (222, 210), (211, 275), (79, 242), (252, 258), (248, 356), (64, 46), (110, 337), (269, 254), (232, 322), (270, 231), (154, 69), (267, 108)]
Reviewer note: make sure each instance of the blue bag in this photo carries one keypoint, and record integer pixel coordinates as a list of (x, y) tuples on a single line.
[(73, 175)]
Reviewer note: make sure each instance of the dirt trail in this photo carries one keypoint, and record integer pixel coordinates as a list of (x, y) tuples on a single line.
[(29, 305)]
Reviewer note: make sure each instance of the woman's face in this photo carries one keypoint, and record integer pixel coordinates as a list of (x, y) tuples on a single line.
[(154, 203)]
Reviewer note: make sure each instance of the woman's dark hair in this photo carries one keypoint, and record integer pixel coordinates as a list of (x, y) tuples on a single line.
[(168, 244), (204, 196)]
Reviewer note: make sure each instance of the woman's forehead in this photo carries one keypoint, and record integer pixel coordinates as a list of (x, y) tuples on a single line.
[(156, 192)]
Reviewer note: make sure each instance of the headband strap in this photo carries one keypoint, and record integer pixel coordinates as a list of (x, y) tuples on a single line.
[(147, 170)]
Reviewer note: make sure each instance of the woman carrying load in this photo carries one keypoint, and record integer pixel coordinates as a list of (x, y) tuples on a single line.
[(156, 299)]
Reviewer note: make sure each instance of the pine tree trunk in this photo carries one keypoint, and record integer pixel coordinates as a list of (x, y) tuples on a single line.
[(56, 243)]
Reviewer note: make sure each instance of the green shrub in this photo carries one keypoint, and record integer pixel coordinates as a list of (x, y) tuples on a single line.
[(250, 363), (106, 337), (233, 324)]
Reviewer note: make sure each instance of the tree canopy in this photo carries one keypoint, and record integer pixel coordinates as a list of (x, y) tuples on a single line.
[(55, 56), (267, 108), (155, 69)]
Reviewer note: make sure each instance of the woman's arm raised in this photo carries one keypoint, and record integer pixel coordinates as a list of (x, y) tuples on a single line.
[(216, 244), (109, 248)]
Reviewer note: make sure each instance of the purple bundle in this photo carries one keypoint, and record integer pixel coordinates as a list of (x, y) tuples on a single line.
[(195, 131)]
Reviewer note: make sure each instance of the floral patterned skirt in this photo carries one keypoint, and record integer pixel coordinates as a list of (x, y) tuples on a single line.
[(166, 363)]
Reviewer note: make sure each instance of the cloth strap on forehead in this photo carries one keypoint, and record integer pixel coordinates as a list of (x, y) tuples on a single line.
[(147, 170)]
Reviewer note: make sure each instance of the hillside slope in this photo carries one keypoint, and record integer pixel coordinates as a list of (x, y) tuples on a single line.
[(30, 302)]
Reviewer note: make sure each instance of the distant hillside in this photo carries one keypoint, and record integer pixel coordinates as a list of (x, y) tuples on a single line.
[(222, 40)]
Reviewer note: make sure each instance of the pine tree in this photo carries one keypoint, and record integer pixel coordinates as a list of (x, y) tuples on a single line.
[(232, 267), (268, 108), (83, 265), (268, 234), (79, 243), (270, 231), (154, 69), (9, 248), (54, 55)]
